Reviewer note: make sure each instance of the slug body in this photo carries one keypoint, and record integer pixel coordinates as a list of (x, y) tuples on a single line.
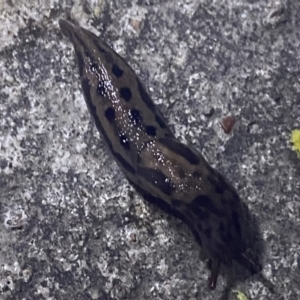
[(166, 172)]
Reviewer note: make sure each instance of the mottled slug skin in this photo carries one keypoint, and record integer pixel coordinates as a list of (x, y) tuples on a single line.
[(164, 170)]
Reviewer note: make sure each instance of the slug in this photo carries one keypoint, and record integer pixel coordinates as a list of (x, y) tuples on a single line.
[(174, 176)]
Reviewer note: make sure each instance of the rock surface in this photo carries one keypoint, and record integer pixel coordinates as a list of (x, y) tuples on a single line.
[(71, 225)]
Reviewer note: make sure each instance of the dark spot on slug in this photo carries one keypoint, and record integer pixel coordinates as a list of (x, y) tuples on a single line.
[(176, 203), (221, 228), (229, 237), (194, 223), (225, 234), (196, 175), (197, 237), (181, 173), (203, 201), (196, 228), (135, 116), (207, 232), (93, 67), (236, 222), (157, 178), (151, 130), (110, 114), (236, 197), (197, 211), (124, 141), (181, 150), (87, 53), (101, 89), (117, 71), (199, 226), (218, 185), (125, 93), (221, 186), (233, 198), (219, 189), (160, 121), (145, 97), (124, 163), (162, 204)]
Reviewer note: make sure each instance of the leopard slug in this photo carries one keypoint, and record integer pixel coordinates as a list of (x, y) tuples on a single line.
[(165, 171)]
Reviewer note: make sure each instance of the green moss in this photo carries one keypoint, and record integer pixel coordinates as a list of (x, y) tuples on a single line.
[(240, 295), (295, 139)]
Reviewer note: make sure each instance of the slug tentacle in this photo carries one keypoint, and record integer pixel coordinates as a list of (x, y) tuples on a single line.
[(165, 171)]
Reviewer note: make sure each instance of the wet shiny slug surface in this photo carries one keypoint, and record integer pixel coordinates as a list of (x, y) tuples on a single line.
[(158, 164)]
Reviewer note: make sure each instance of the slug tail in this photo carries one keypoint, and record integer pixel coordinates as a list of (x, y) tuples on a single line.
[(215, 268)]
